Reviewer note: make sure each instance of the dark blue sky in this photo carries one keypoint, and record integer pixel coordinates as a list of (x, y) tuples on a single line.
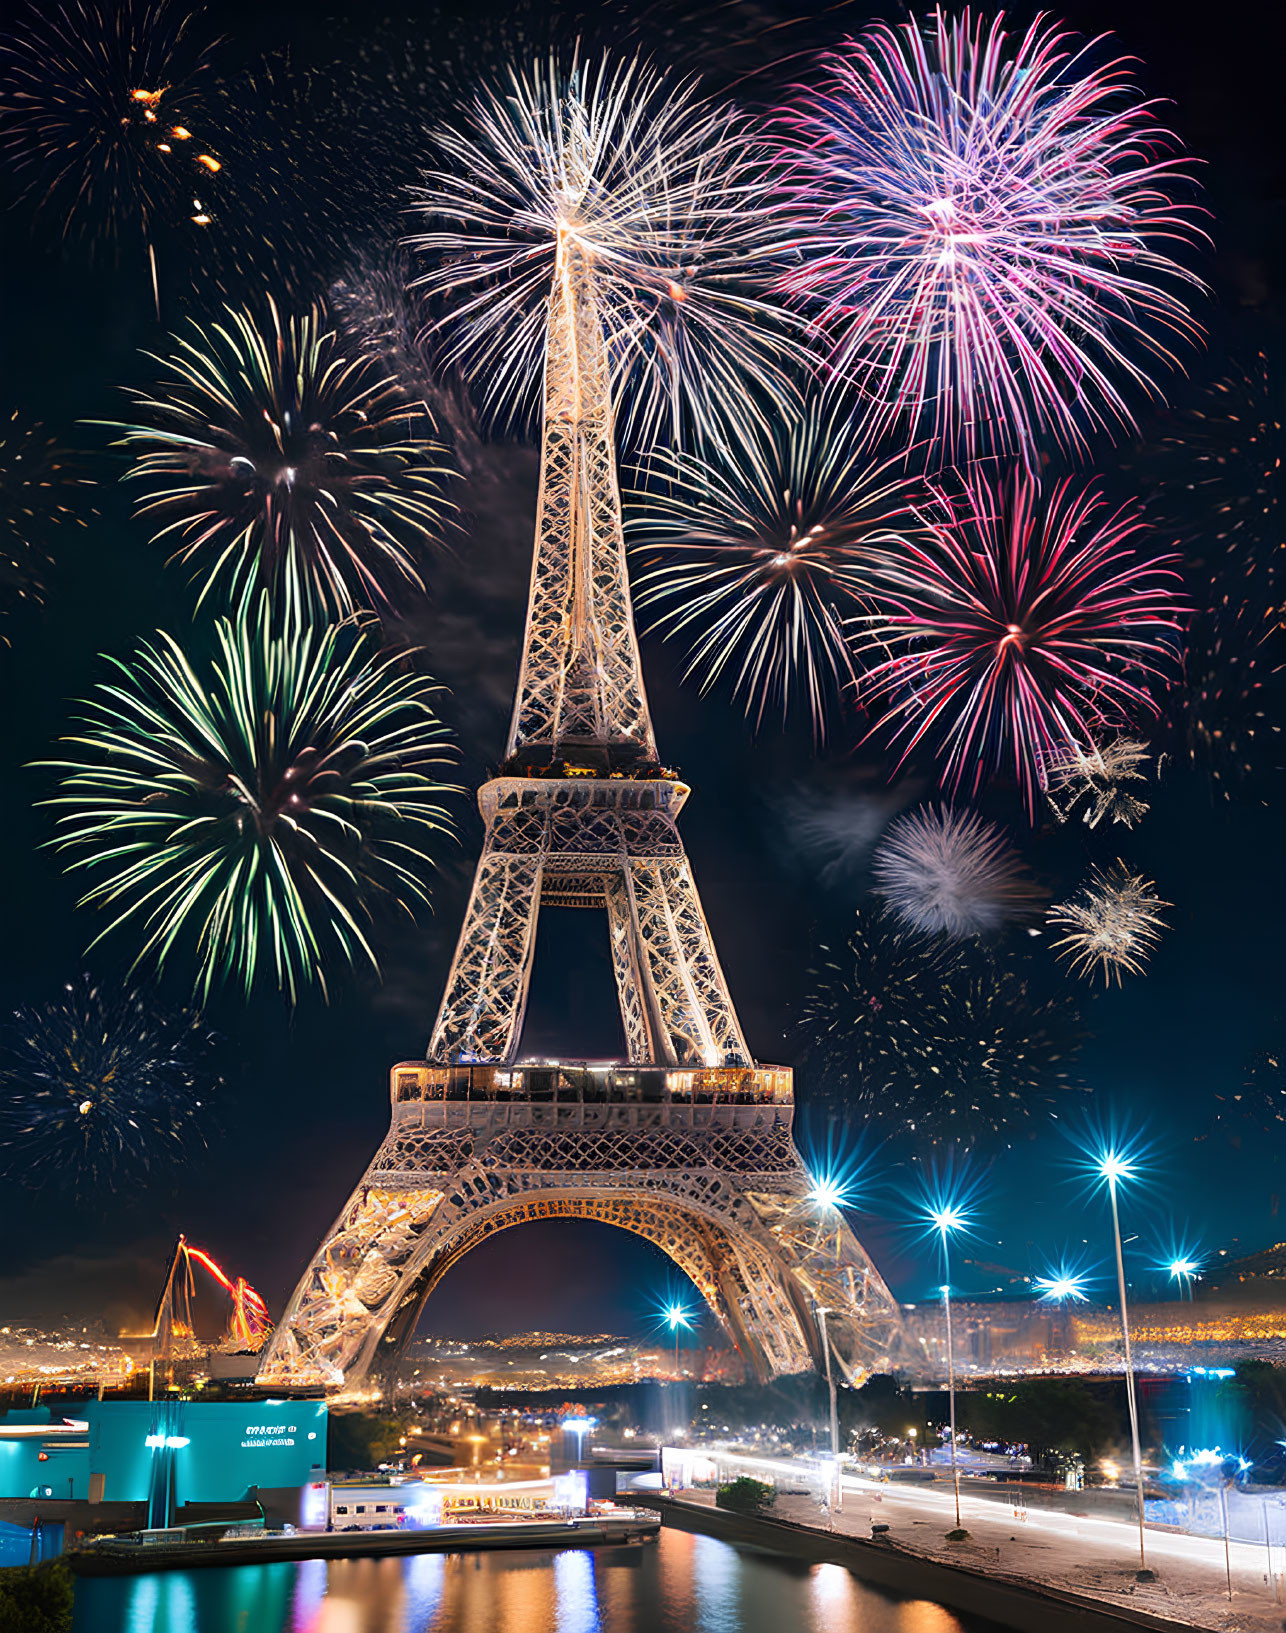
[(304, 1101)]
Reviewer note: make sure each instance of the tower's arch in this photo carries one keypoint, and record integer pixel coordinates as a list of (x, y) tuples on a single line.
[(717, 1186)]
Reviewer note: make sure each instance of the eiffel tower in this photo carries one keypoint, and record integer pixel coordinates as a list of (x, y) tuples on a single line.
[(687, 1143)]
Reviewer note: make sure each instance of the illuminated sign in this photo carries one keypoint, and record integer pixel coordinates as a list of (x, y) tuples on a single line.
[(270, 1434)]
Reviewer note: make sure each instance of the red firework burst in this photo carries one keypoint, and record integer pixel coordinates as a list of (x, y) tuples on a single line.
[(1017, 626)]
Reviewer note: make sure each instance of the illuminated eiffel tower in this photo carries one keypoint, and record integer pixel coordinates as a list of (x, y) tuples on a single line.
[(689, 1142)]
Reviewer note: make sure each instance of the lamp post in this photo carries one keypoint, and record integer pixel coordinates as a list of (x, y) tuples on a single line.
[(1113, 1168), (946, 1220), (579, 1427), (837, 1483), (827, 1194), (679, 1320)]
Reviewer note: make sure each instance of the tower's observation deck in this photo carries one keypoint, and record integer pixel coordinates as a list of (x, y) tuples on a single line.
[(420, 1084)]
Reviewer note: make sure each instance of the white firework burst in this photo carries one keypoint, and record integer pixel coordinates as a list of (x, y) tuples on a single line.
[(664, 195), (1113, 923), (951, 873), (1094, 781)]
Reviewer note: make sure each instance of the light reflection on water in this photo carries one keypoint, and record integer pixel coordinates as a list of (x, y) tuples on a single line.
[(682, 1584)]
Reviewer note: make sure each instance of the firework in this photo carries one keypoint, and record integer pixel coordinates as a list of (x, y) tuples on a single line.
[(1096, 782), (757, 556), (934, 1040), (985, 227), (37, 484), (1112, 923), (1219, 490), (259, 806), (1231, 456), (275, 456), (1224, 717), (948, 872), (100, 109), (1016, 628), (662, 195), (1261, 1100), (100, 1086)]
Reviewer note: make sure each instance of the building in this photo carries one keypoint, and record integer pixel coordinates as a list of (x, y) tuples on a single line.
[(165, 1455)]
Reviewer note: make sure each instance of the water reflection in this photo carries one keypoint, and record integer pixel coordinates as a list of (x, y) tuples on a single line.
[(683, 1584), (575, 1591)]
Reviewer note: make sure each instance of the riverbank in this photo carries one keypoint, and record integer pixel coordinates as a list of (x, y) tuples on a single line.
[(127, 1556), (998, 1573)]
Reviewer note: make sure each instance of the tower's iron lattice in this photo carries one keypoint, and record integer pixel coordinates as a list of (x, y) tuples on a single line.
[(689, 1144)]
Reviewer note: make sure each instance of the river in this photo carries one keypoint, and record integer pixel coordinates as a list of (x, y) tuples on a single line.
[(680, 1584)]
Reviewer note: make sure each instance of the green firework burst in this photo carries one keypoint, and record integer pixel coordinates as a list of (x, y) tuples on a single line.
[(271, 455), (261, 804)]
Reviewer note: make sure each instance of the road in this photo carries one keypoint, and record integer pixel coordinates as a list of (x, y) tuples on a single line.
[(1092, 1554)]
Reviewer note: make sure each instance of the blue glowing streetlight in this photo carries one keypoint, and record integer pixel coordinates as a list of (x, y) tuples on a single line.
[(1062, 1288), (947, 1215), (1113, 1168), (827, 1192), (1185, 1271), (579, 1427), (679, 1320)]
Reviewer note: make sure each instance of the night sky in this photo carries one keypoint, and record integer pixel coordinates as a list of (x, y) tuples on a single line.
[(303, 1101)]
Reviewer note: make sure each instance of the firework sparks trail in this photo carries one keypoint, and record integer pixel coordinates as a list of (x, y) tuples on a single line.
[(986, 227), (756, 556), (1261, 1100), (1112, 923), (1219, 490), (100, 101), (101, 1085), (1231, 456), (1094, 781), (662, 192), (37, 495), (274, 457), (260, 805), (1016, 628), (951, 873), (933, 1040)]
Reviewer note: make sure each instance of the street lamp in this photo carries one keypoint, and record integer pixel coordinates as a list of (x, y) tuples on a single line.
[(1113, 1167), (828, 1194), (1184, 1270), (1062, 1287), (945, 1220), (579, 1427), (827, 1191), (837, 1483), (679, 1320)]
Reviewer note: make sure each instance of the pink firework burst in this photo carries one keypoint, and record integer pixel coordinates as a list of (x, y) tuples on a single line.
[(986, 226), (1016, 627)]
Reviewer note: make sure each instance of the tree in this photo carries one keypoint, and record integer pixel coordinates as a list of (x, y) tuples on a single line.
[(364, 1440), (36, 1600), (746, 1496), (1055, 1418)]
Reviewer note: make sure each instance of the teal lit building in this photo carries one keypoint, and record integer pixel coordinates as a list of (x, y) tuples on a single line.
[(163, 1453)]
